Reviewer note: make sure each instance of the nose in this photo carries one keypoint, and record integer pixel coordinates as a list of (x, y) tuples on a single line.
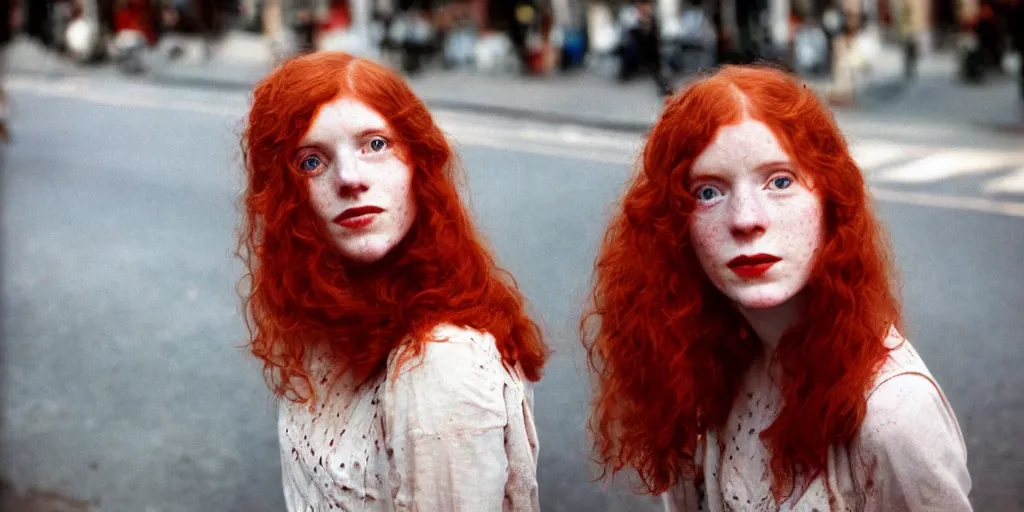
[(351, 179), (748, 216)]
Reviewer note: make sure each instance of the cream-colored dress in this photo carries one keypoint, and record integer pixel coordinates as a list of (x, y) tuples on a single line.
[(454, 431), (909, 454)]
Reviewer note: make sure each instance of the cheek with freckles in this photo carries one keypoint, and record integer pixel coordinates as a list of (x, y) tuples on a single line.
[(709, 238), (395, 225), (800, 230), (403, 203), (321, 197)]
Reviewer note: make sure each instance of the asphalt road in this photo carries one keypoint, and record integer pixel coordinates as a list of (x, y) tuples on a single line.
[(123, 384)]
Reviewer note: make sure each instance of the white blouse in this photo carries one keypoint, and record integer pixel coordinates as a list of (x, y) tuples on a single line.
[(454, 431), (909, 454)]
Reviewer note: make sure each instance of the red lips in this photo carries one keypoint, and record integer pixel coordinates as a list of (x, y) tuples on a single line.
[(752, 266), (358, 217)]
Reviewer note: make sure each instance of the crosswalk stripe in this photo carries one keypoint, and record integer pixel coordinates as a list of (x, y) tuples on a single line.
[(963, 203), (1010, 183), (947, 164), (871, 155)]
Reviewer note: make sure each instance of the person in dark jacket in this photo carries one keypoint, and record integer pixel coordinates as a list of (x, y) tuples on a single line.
[(37, 21), (6, 35)]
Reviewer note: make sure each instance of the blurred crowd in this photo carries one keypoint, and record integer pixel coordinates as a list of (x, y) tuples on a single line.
[(666, 40), (99, 30), (625, 38)]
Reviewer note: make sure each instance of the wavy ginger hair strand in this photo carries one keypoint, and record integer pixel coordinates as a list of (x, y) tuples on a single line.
[(297, 290), (670, 350)]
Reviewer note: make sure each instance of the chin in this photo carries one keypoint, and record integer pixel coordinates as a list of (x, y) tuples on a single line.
[(364, 259), (761, 297), (363, 254), (368, 248)]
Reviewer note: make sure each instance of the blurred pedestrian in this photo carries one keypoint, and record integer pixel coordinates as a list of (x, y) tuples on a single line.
[(136, 16), (847, 58), (990, 37), (641, 47), (6, 35), (834, 25), (402, 353), (305, 25), (908, 34), (38, 22), (272, 20), (746, 336), (523, 20), (211, 16), (1015, 24)]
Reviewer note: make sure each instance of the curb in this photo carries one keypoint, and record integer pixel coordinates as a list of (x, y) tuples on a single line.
[(221, 84), (517, 113), (874, 93), (525, 114), (240, 85)]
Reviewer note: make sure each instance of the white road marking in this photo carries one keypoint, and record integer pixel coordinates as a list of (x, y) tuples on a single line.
[(77, 89), (976, 204), (1011, 183), (599, 156), (871, 154), (948, 164)]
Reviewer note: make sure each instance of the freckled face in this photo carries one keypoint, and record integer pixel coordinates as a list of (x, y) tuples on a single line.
[(757, 224), (359, 186)]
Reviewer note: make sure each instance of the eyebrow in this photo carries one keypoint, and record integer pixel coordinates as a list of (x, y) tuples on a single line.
[(363, 133), (714, 173), (369, 131), (773, 165)]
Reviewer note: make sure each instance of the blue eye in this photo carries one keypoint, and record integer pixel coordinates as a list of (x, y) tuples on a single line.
[(707, 193), (311, 163), (378, 144), (782, 182)]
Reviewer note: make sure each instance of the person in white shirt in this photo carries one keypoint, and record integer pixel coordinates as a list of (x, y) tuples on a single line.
[(748, 353), (402, 354)]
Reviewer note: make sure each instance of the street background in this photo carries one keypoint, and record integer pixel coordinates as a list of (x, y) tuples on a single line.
[(125, 386)]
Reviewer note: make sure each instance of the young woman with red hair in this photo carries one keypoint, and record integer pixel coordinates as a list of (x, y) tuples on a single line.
[(748, 354), (403, 353)]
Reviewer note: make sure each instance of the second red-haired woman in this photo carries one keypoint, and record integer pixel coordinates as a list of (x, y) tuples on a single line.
[(748, 350), (404, 355)]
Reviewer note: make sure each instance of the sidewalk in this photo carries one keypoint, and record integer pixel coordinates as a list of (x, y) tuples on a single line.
[(580, 98)]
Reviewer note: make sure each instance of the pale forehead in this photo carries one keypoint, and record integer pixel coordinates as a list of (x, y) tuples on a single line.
[(745, 145), (340, 118)]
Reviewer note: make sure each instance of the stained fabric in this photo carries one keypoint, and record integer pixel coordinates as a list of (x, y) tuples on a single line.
[(909, 454), (453, 430)]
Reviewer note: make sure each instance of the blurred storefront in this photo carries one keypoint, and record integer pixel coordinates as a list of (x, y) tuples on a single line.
[(543, 36)]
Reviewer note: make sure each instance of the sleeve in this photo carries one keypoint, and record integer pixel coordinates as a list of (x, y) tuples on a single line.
[(446, 420), (913, 453)]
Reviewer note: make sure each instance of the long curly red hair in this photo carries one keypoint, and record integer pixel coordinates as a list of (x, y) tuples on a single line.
[(298, 291), (668, 350)]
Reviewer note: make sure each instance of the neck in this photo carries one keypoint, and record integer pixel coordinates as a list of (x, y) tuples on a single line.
[(771, 323), (363, 275)]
